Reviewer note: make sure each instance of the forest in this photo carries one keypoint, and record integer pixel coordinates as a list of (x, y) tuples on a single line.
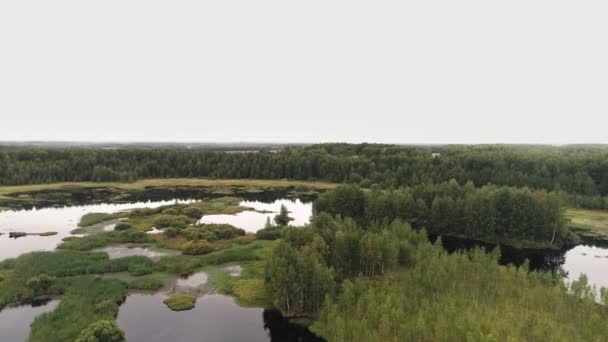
[(387, 282), (507, 215), (578, 173)]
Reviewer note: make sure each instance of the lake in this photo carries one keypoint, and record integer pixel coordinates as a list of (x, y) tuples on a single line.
[(216, 317)]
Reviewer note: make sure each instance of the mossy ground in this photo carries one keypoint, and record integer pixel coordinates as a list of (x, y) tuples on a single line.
[(589, 224), (180, 302)]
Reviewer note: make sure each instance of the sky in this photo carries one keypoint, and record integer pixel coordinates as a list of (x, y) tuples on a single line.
[(433, 71)]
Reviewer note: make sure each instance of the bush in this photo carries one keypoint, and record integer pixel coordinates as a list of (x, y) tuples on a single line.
[(101, 331), (193, 212), (173, 232), (182, 264), (270, 233), (170, 211), (122, 226), (164, 221), (180, 302), (197, 247)]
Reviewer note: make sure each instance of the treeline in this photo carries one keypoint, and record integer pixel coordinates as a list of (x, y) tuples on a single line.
[(514, 216), (577, 170), (307, 263)]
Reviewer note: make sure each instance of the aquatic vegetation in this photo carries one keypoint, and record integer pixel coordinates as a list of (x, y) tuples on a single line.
[(249, 292), (197, 247), (16, 235), (90, 242), (84, 302), (95, 218), (60, 266), (180, 302), (149, 283)]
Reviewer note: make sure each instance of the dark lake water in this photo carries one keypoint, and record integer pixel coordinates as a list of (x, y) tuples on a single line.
[(15, 322), (215, 318)]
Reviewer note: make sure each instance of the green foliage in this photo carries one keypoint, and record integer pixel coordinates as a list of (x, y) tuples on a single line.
[(122, 226), (84, 302), (197, 247), (180, 302), (577, 170), (209, 232), (462, 297), (146, 283), (95, 218), (101, 331), (514, 216), (282, 219), (298, 280), (48, 273), (193, 212), (89, 242), (40, 285), (270, 233), (164, 221)]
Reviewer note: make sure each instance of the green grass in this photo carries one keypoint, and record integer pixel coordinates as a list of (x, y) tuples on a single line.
[(249, 291), (148, 283), (591, 224), (61, 266), (95, 218), (180, 302), (90, 242), (86, 300)]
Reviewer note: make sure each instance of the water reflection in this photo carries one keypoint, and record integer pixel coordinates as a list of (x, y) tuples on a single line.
[(214, 318), (253, 221), (280, 329), (590, 260), (15, 322), (60, 220), (121, 251)]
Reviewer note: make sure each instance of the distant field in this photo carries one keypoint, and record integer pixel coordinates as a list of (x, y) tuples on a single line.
[(142, 184), (589, 223)]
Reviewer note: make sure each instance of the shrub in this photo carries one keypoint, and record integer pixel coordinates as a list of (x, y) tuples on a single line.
[(102, 331), (193, 212), (122, 226), (164, 221), (180, 302), (173, 231), (170, 211), (270, 233), (197, 247)]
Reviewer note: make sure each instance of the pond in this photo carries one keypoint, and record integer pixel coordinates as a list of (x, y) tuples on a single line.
[(252, 221), (215, 318), (144, 317), (60, 220), (15, 322)]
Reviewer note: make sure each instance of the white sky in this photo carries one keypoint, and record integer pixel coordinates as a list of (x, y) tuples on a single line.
[(308, 71)]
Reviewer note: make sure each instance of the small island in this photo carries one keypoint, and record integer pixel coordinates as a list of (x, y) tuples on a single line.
[(180, 302)]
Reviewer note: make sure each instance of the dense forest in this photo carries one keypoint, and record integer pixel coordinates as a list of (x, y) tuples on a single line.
[(579, 172), (332, 269), (515, 216)]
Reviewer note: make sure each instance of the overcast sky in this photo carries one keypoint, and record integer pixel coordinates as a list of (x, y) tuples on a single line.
[(516, 71)]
